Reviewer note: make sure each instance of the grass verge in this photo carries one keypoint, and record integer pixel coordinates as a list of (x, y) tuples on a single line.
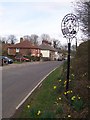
[(49, 99)]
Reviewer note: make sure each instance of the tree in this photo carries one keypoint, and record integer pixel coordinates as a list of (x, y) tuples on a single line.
[(34, 39), (56, 43), (82, 10), (27, 37), (64, 47), (45, 37), (11, 39), (3, 39)]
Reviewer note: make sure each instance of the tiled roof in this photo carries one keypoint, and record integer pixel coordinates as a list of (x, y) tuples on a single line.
[(5, 46), (47, 47), (24, 44)]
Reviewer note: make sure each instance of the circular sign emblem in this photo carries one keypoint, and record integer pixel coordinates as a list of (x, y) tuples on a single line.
[(69, 26)]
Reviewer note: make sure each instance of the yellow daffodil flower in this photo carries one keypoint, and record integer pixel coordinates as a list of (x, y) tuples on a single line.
[(71, 91), (59, 98), (39, 112), (68, 91), (65, 93), (54, 87), (79, 98), (28, 106), (69, 80), (60, 80), (69, 116), (73, 98), (65, 82)]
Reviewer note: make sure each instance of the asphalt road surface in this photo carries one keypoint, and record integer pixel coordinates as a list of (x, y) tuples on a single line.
[(19, 80)]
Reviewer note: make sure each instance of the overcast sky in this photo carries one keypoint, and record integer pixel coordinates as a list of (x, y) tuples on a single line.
[(26, 17)]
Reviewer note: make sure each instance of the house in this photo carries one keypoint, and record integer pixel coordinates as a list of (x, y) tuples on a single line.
[(25, 47), (47, 51), (5, 48)]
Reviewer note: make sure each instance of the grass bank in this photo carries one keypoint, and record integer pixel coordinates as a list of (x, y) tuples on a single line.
[(49, 99)]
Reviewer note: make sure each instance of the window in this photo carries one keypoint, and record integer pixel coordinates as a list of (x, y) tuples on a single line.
[(17, 50)]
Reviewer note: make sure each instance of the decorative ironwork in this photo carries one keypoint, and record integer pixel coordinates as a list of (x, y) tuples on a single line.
[(70, 26)]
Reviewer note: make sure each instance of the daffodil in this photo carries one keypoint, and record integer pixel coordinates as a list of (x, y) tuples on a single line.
[(65, 82), (60, 80), (68, 91), (28, 106), (79, 98), (69, 116), (39, 112), (69, 80), (71, 91), (54, 87), (65, 93), (73, 98), (59, 98)]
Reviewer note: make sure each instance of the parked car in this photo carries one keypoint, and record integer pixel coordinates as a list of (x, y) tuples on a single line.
[(6, 60), (21, 58)]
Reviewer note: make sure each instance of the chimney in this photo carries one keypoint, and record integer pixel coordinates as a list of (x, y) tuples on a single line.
[(21, 39), (45, 42)]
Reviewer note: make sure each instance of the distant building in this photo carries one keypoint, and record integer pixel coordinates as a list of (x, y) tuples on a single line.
[(25, 47), (47, 51)]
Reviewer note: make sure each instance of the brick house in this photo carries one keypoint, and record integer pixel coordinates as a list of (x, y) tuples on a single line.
[(25, 47), (4, 48), (47, 51)]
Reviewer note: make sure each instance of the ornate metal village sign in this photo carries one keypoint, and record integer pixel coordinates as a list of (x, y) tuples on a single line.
[(69, 28)]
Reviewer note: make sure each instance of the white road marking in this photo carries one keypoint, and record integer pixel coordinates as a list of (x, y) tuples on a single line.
[(34, 89)]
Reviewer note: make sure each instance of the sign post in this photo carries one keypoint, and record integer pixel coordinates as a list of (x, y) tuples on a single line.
[(69, 27)]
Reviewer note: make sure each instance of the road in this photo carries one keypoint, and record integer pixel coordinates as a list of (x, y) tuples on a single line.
[(19, 80)]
